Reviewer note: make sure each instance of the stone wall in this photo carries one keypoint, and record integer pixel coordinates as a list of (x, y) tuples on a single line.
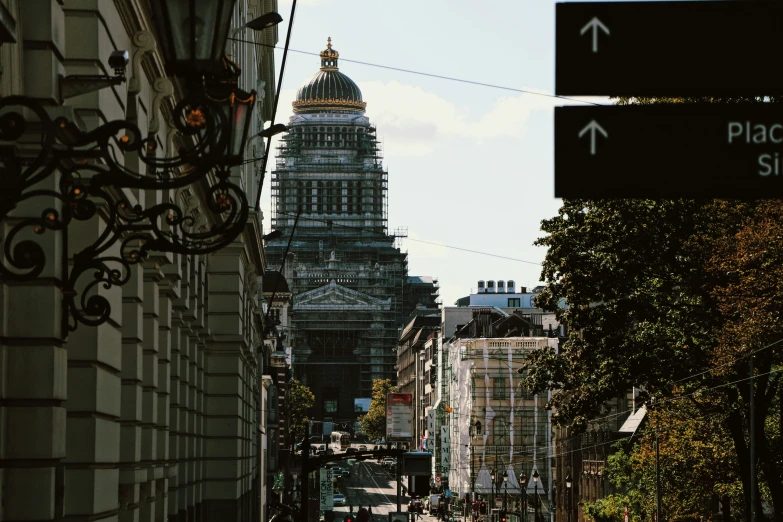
[(155, 414)]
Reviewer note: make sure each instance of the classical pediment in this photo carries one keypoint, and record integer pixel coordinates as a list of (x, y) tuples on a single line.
[(338, 297)]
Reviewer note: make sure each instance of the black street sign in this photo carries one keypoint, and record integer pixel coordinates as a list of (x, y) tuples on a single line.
[(669, 151), (715, 48)]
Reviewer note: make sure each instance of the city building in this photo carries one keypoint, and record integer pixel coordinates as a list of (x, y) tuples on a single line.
[(495, 425), (349, 280), (414, 363), (583, 456), (277, 303), (481, 419), (153, 411)]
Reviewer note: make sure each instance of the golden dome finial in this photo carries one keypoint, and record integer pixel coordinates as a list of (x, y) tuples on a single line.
[(329, 43)]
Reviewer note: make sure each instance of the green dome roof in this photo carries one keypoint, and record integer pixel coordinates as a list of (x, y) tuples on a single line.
[(329, 89)]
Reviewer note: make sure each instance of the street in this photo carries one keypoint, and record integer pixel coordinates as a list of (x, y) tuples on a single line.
[(369, 485)]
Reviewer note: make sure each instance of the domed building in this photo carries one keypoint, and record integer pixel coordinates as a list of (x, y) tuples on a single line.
[(350, 284)]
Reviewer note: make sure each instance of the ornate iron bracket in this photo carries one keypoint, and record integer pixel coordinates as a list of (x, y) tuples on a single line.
[(67, 175)]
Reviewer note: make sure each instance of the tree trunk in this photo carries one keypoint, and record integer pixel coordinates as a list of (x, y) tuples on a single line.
[(736, 427)]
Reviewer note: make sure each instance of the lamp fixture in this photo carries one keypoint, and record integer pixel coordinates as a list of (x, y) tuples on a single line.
[(192, 35), (264, 21), (274, 130), (568, 481), (535, 475)]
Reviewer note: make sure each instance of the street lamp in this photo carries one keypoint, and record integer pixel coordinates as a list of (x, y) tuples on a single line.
[(192, 34), (505, 495), (535, 494), (264, 21), (492, 475), (523, 487), (568, 494)]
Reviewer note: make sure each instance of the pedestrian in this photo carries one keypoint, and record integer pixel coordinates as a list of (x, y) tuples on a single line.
[(362, 515)]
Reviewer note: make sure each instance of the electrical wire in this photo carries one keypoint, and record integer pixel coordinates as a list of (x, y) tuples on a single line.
[(750, 354), (364, 229), (431, 75), (277, 99)]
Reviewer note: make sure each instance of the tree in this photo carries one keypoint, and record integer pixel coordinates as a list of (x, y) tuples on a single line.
[(301, 399), (374, 422), (672, 297)]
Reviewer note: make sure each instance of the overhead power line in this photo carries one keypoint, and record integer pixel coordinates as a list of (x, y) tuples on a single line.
[(431, 75), (417, 240)]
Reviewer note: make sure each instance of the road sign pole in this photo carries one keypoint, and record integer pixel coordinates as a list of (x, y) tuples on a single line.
[(305, 501)]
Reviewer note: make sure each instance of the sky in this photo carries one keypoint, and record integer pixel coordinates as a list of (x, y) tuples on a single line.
[(469, 166)]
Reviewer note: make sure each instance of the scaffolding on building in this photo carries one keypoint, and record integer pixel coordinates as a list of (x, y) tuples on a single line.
[(330, 168)]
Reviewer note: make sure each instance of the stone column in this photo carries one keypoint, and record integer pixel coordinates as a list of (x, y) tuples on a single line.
[(149, 385), (132, 475), (226, 429), (169, 292), (178, 431), (33, 361), (91, 475)]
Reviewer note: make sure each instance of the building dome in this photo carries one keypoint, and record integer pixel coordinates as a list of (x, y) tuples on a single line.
[(329, 89)]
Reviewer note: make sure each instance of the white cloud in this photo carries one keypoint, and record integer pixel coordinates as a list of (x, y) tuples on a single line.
[(413, 120)]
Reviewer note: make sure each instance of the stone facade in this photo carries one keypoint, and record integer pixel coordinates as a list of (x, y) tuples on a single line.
[(153, 415)]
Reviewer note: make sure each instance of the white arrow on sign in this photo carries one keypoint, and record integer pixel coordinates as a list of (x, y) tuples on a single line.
[(592, 127), (595, 24)]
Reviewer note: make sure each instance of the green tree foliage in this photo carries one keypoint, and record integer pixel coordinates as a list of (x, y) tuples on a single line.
[(374, 422), (672, 297), (301, 399)]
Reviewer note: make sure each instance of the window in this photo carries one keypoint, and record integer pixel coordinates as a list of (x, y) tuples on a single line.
[(499, 388), (526, 428), (499, 429), (330, 405), (513, 302)]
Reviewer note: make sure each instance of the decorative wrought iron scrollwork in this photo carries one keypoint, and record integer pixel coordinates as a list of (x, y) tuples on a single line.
[(77, 176)]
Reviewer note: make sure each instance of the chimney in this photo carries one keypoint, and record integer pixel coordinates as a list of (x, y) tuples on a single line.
[(522, 289)]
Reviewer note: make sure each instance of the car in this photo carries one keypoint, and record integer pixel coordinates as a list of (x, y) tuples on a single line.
[(337, 472), (339, 499), (362, 448), (350, 450), (345, 472), (387, 461), (416, 506)]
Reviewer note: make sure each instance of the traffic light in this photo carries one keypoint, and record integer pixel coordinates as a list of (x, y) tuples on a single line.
[(502, 516), (483, 508)]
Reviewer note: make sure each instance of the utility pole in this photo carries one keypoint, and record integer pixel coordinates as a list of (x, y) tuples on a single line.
[(472, 475), (658, 517), (399, 480), (305, 477), (752, 431)]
